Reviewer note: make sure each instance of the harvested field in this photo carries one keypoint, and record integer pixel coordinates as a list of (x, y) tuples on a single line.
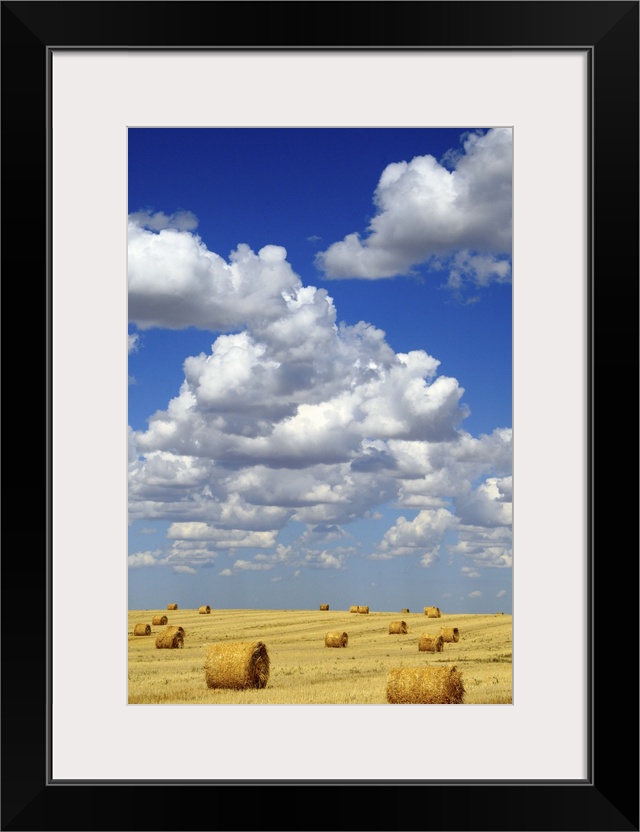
[(302, 671)]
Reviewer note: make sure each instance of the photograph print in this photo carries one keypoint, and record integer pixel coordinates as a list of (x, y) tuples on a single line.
[(320, 415)]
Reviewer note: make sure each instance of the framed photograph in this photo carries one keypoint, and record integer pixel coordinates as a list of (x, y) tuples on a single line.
[(561, 80)]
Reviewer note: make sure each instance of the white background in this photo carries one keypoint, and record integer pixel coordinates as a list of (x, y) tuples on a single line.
[(96, 96)]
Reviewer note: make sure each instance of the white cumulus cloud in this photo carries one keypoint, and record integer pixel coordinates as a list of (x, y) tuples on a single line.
[(421, 536), (426, 211), (139, 559), (290, 417), (176, 282)]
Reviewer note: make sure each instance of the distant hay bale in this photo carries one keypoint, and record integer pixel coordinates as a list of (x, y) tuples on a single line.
[(171, 638), (159, 620), (432, 612), (354, 609), (237, 665), (204, 610), (450, 634), (398, 627), (142, 630), (172, 606), (425, 686), (430, 644), (324, 607), (364, 610), (336, 639), (405, 610)]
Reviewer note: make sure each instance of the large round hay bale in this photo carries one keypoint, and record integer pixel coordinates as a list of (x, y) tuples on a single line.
[(204, 610), (142, 630), (172, 606), (398, 627), (237, 665), (354, 609), (336, 639), (324, 607), (432, 612), (430, 644), (171, 638), (405, 610), (159, 620), (450, 634), (429, 685), (364, 610)]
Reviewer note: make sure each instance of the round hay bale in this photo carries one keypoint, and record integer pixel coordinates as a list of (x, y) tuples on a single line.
[(354, 609), (324, 607), (237, 665), (364, 610), (204, 610), (430, 644), (159, 620), (336, 639), (429, 685), (450, 634), (404, 611), (142, 630), (398, 627), (172, 606), (171, 638), (432, 612)]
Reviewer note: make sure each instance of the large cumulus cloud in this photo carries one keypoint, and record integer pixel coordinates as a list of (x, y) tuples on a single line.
[(460, 218), (290, 417), (175, 281)]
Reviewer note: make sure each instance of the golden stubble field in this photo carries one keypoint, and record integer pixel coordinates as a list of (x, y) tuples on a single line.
[(305, 672)]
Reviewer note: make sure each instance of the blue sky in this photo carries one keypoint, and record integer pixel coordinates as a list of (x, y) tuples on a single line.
[(320, 368)]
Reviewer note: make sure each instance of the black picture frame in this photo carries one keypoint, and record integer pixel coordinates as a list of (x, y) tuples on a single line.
[(607, 801)]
